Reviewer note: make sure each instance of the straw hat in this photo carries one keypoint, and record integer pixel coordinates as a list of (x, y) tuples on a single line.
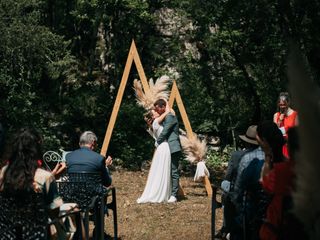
[(250, 136)]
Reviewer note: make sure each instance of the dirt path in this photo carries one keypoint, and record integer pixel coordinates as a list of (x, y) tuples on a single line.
[(186, 219)]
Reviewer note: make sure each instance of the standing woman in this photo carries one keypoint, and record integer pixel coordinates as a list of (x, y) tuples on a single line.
[(285, 118)]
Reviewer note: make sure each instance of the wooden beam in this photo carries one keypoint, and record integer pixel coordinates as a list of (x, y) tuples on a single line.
[(207, 185), (139, 67), (132, 56), (175, 95), (117, 103)]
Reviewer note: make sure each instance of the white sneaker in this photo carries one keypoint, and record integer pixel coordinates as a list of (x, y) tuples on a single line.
[(172, 199)]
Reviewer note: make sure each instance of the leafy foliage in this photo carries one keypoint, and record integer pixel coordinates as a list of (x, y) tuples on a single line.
[(61, 64), (216, 158)]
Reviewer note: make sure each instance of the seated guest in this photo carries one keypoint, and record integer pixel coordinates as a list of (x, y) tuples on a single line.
[(22, 172), (85, 159), (247, 184), (58, 169), (253, 152), (229, 210), (276, 177)]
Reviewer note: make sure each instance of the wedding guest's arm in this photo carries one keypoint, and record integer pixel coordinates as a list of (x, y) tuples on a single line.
[(278, 118), (269, 177), (267, 166), (106, 177), (59, 168)]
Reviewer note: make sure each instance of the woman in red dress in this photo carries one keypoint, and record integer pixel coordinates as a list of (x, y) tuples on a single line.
[(285, 118), (276, 178)]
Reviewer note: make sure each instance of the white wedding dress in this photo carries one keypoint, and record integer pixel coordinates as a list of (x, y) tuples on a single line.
[(158, 187)]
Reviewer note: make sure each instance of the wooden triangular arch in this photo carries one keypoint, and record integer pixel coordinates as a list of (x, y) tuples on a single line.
[(174, 95)]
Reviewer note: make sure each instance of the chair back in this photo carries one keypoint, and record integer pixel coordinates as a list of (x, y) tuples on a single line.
[(23, 216), (82, 187), (51, 158), (85, 189)]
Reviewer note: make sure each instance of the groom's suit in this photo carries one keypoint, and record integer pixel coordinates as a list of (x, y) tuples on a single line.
[(170, 133)]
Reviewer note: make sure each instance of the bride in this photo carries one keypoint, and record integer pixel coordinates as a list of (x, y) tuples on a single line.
[(158, 187)]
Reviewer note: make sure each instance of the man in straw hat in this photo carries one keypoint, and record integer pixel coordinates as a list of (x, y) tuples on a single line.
[(247, 185), (240, 159), (253, 150), (233, 183)]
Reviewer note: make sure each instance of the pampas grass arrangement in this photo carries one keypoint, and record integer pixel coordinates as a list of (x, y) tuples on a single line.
[(158, 90), (195, 150)]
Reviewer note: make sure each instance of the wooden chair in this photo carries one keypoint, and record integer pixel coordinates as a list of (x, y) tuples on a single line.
[(86, 190)]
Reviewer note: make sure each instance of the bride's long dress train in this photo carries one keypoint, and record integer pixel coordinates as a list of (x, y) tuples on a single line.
[(158, 187)]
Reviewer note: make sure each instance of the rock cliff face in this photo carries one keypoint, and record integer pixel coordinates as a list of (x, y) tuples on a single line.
[(172, 24)]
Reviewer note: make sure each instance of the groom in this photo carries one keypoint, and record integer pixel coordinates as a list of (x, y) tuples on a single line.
[(170, 133)]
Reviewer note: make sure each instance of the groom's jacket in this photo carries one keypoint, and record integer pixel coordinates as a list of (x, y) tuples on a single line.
[(170, 133)]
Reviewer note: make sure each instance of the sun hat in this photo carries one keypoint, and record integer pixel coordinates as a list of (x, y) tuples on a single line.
[(250, 136)]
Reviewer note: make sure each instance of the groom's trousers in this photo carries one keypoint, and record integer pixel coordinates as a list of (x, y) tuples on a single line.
[(175, 158)]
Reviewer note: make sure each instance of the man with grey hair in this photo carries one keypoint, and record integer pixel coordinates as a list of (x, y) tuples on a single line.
[(85, 159)]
